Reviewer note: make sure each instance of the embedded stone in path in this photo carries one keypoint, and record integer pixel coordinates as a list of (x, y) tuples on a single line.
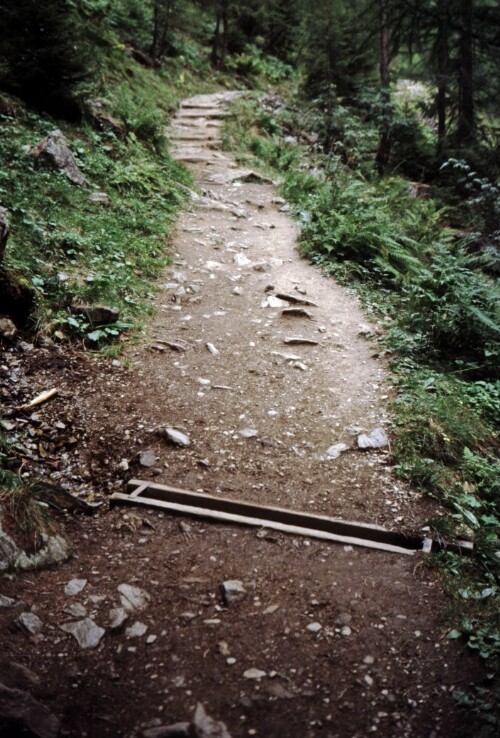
[(377, 438), (147, 458), (133, 598), (335, 451), (74, 586), (175, 437), (6, 601), (86, 632), (233, 591), (203, 726), (30, 622)]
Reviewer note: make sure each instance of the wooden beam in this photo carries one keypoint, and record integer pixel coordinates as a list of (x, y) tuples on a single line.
[(225, 509), (226, 517)]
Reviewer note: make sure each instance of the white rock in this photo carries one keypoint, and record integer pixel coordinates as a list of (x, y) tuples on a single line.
[(254, 674), (346, 631), (136, 630), (74, 587), (233, 591), (249, 433), (274, 302), (187, 616), (76, 610), (86, 632), (177, 438), (117, 617), (335, 451), (314, 627), (6, 601), (133, 598), (240, 260), (214, 266), (377, 438), (30, 622)]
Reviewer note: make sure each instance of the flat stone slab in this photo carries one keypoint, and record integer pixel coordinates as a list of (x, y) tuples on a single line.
[(86, 632)]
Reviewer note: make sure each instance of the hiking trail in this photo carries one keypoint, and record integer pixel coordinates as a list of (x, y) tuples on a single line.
[(271, 371)]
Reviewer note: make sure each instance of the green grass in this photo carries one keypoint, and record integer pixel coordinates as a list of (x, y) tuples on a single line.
[(73, 251)]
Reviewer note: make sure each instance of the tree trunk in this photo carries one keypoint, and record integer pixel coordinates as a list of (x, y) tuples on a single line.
[(442, 70), (384, 147), (222, 63), (214, 56), (162, 12), (466, 113), (220, 40)]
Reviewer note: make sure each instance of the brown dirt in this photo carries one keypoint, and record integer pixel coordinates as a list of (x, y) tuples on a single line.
[(392, 672)]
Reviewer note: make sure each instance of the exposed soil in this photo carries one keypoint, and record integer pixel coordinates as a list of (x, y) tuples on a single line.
[(378, 661)]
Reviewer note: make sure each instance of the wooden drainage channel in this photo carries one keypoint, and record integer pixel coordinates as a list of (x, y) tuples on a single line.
[(185, 502)]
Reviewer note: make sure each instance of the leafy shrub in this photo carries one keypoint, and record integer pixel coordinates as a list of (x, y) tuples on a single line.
[(484, 397), (370, 225), (455, 308), (481, 197), (343, 132), (254, 63), (433, 420)]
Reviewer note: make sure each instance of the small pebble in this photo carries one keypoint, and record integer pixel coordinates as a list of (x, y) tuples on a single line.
[(314, 627)]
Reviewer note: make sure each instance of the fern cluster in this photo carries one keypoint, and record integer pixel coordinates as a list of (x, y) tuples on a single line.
[(445, 304)]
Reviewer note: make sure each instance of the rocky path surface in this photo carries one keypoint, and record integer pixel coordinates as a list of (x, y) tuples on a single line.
[(268, 369)]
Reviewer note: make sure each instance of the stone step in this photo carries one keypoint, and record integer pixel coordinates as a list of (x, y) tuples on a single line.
[(198, 158), (191, 138), (196, 106), (201, 113)]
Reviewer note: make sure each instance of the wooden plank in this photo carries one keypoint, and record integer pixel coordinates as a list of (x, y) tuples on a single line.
[(278, 515), (300, 523), (217, 515), (138, 490)]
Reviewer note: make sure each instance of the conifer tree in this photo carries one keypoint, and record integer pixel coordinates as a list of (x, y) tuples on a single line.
[(41, 53)]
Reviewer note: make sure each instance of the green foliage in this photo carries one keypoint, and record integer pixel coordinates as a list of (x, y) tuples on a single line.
[(484, 398), (481, 198), (379, 230), (30, 519), (256, 65), (453, 308), (435, 426), (337, 49), (345, 135), (75, 251)]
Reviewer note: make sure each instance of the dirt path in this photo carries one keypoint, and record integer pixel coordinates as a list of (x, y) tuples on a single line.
[(346, 642)]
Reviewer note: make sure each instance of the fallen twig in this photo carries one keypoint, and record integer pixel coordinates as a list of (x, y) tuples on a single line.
[(40, 399)]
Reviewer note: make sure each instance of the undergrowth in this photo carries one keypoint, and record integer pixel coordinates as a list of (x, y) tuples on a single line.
[(441, 313)]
